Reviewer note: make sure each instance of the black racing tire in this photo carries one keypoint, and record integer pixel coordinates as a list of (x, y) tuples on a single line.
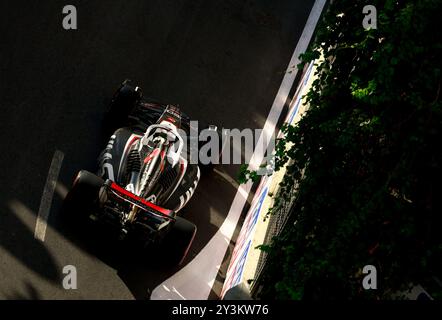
[(123, 102), (178, 241), (81, 200)]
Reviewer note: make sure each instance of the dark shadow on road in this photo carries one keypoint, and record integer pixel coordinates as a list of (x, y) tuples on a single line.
[(31, 293), (19, 241)]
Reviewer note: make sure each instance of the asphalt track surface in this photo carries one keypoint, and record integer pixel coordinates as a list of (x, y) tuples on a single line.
[(221, 61)]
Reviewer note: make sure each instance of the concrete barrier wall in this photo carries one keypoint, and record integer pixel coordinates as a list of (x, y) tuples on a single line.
[(247, 261)]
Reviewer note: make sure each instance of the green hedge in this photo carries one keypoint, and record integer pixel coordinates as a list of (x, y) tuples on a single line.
[(367, 159)]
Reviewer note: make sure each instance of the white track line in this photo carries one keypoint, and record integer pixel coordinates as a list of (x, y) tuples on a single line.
[(46, 198), (196, 279)]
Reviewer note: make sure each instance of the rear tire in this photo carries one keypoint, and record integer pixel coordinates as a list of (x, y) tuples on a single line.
[(177, 242), (82, 197)]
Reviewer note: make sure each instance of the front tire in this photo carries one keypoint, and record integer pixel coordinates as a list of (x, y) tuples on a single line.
[(123, 102)]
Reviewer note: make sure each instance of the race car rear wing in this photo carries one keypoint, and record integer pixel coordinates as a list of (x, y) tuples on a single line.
[(143, 204)]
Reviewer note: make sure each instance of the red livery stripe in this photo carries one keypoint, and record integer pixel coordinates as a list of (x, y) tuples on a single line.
[(121, 190)]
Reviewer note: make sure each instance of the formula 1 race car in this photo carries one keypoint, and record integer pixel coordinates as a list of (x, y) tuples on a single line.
[(144, 177)]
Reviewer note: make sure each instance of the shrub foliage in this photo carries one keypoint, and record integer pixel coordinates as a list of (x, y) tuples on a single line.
[(366, 159)]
